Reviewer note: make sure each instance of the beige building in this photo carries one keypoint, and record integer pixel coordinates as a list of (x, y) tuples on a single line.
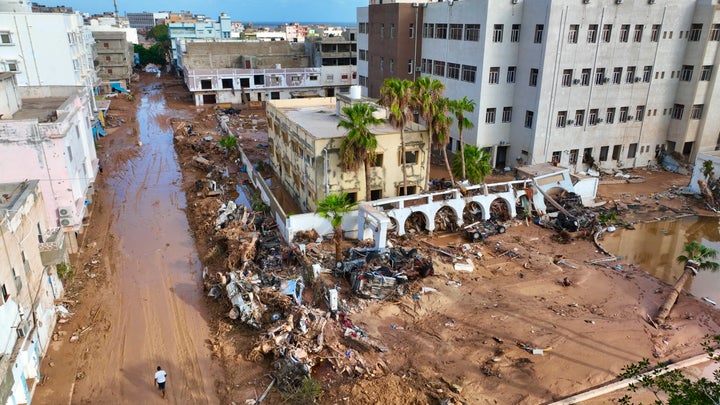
[(29, 286), (305, 141), (114, 56)]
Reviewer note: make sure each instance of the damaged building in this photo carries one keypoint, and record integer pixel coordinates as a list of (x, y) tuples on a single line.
[(304, 141)]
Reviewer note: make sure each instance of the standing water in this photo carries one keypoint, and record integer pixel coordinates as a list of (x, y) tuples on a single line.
[(655, 246)]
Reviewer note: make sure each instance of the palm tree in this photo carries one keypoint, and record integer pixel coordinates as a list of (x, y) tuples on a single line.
[(696, 257), (478, 164), (396, 95), (426, 93), (459, 108), (359, 145), (334, 207), (441, 129)]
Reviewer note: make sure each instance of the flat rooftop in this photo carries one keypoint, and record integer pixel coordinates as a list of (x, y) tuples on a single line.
[(540, 169), (13, 194), (42, 109), (317, 116)]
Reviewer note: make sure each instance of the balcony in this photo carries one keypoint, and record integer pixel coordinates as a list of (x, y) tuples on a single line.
[(52, 250)]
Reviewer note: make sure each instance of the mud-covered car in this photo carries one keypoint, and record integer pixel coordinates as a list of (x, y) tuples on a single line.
[(480, 231)]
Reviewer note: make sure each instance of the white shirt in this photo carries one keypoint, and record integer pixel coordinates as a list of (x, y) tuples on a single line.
[(160, 376)]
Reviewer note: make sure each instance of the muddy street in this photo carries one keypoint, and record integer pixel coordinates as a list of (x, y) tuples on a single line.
[(150, 312)]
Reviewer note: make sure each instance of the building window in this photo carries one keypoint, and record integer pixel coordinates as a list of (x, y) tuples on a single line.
[(456, 31), (5, 37), (490, 116), (696, 111), (579, 118), (533, 77), (616, 152), (453, 70), (392, 66), (623, 114), (382, 31), (507, 114), (498, 32), (592, 33), (574, 156), (695, 31), (392, 30), (647, 74), (655, 33), (632, 150), (494, 75), (567, 77), (441, 31), (604, 153), (426, 65), (511, 74), (378, 161), (4, 293), (561, 119), (529, 116), (593, 116), (706, 73), (637, 36), (515, 33), (362, 54), (585, 77), (630, 74), (472, 32), (617, 75), (439, 68), (606, 33), (468, 73), (411, 30), (362, 28), (573, 33), (714, 32), (362, 80), (411, 157), (640, 113), (599, 76), (610, 115), (428, 30), (539, 28), (686, 73), (382, 63), (624, 32), (12, 66)]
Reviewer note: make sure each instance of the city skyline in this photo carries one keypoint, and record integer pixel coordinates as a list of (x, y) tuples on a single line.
[(330, 11)]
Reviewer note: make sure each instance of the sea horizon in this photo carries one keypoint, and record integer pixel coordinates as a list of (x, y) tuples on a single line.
[(277, 23)]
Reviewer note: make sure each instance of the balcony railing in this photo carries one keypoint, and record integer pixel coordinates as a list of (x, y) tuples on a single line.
[(52, 250)]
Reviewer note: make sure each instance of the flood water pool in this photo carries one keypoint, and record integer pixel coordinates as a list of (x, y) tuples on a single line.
[(655, 246)]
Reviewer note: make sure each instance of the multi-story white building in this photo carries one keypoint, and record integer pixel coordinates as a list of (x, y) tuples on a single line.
[(606, 81), (182, 31), (28, 287)]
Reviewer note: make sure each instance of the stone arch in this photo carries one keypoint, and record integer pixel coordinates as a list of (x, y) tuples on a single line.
[(416, 222), (501, 209), (473, 212), (446, 219)]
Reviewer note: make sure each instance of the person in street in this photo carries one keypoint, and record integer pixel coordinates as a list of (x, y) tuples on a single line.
[(160, 378)]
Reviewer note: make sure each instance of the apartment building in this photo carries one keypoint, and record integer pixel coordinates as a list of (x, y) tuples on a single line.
[(146, 21), (183, 31), (114, 56), (304, 141), (227, 71), (45, 135), (609, 82), (28, 287)]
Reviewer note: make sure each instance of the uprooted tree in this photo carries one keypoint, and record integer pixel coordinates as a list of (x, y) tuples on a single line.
[(672, 387), (696, 257)]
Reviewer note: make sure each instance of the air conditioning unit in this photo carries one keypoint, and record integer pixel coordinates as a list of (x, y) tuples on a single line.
[(515, 1), (606, 79), (65, 211), (576, 81), (586, 1), (637, 79), (23, 329), (630, 118), (570, 122), (67, 222), (502, 143), (651, 1), (418, 69), (618, 1), (599, 121)]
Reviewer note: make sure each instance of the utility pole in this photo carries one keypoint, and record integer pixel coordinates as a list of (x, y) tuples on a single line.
[(115, 4)]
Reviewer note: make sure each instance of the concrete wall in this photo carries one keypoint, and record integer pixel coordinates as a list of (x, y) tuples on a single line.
[(10, 100)]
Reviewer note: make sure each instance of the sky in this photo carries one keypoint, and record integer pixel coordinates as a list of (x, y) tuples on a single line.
[(341, 11)]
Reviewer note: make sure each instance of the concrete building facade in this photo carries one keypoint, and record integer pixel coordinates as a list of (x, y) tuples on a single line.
[(224, 72), (114, 56), (304, 151), (28, 288), (183, 31), (46, 132), (602, 82), (145, 20)]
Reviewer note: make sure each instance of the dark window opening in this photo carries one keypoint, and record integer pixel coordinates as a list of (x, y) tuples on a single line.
[(259, 80), (205, 84), (227, 83), (245, 82), (375, 194)]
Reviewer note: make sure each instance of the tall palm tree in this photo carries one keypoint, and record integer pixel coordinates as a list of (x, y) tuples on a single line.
[(426, 93), (334, 207), (358, 146), (459, 108), (478, 164), (396, 95), (696, 257), (441, 129)]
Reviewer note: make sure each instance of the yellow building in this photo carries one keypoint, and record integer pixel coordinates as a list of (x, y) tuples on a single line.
[(304, 147)]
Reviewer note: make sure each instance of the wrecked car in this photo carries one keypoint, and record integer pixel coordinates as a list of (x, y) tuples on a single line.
[(245, 305), (481, 230)]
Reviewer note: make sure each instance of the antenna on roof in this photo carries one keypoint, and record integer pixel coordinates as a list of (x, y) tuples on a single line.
[(115, 4)]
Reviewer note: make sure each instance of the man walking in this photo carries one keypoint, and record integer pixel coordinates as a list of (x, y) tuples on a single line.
[(160, 377)]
